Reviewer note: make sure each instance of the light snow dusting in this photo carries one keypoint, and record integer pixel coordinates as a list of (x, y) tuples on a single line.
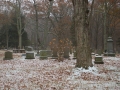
[(25, 74)]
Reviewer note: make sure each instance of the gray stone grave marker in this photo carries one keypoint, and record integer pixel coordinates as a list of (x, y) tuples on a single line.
[(8, 55), (98, 59), (30, 55), (54, 53), (66, 52), (43, 54), (110, 49)]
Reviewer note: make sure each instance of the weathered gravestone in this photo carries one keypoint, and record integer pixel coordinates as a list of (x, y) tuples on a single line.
[(29, 48), (29, 53), (110, 49), (8, 55), (43, 54), (66, 52), (54, 53), (98, 59)]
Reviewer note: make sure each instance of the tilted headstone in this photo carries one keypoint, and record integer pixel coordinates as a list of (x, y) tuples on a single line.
[(8, 55), (66, 52), (43, 54)]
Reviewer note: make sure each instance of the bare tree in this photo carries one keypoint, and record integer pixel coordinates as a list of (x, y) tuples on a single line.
[(82, 34)]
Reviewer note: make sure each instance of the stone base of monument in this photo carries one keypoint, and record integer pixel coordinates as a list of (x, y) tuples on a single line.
[(109, 54), (30, 55), (8, 55), (43, 54), (98, 60), (43, 57)]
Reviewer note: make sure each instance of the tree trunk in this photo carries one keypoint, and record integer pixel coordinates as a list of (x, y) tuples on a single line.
[(7, 39), (105, 26), (47, 23), (36, 21), (82, 34), (19, 23)]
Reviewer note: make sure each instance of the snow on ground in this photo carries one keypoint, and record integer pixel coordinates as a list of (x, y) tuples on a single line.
[(35, 74)]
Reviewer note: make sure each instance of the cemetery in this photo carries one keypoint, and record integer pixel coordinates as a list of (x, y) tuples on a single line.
[(36, 73), (60, 45)]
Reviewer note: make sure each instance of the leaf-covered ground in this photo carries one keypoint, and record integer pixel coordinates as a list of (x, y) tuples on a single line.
[(35, 74)]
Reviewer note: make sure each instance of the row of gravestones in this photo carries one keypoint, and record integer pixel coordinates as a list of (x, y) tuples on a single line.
[(44, 54)]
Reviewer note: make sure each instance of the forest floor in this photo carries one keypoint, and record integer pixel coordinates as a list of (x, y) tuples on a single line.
[(24, 74)]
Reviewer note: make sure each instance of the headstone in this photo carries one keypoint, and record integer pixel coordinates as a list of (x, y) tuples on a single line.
[(43, 54), (29, 48), (110, 49), (8, 55), (30, 55), (54, 53), (66, 52), (98, 59)]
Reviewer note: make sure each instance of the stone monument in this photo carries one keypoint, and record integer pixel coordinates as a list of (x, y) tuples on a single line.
[(110, 49), (8, 55)]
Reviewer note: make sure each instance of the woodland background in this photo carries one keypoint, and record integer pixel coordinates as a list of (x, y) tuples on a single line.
[(55, 19)]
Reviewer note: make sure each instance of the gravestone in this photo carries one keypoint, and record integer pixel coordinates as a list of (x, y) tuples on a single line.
[(43, 54), (30, 55), (98, 59), (54, 53), (66, 52), (8, 55), (110, 49), (29, 48)]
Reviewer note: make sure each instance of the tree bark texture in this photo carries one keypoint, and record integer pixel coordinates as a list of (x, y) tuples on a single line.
[(82, 34)]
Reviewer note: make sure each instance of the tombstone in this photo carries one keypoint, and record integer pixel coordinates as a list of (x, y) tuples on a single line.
[(29, 48), (43, 54), (110, 49), (98, 59), (30, 55), (66, 52), (8, 55), (54, 53)]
